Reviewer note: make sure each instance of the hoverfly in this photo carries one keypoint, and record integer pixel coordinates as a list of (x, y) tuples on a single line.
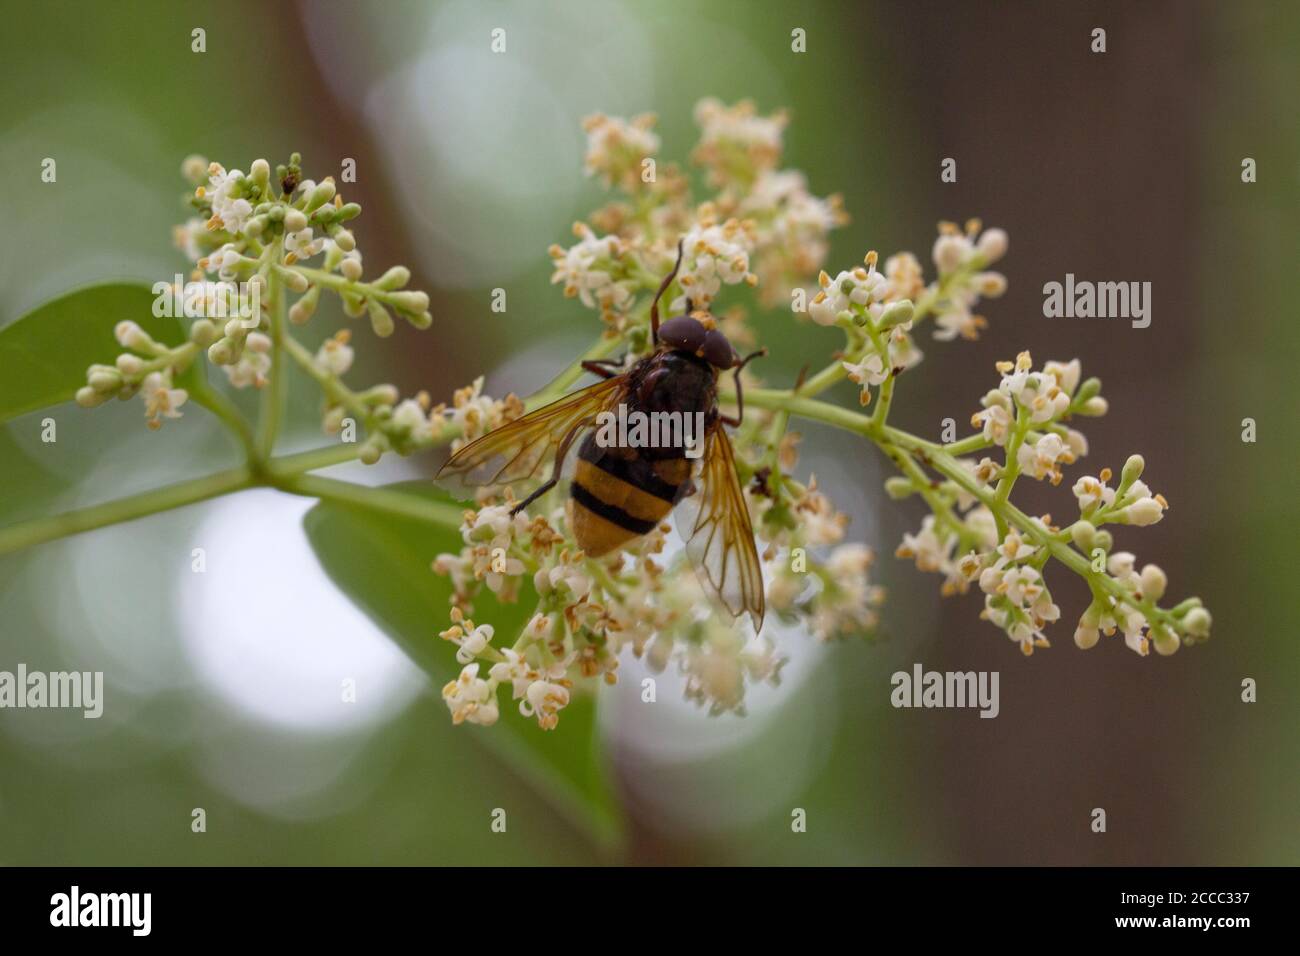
[(618, 494)]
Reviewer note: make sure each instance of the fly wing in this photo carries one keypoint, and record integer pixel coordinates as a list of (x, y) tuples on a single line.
[(517, 450), (719, 538)]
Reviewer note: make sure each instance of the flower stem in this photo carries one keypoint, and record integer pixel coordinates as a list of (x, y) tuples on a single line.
[(386, 500), (49, 528), (275, 395)]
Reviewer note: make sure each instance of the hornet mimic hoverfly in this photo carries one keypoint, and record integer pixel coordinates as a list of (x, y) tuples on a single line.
[(619, 493)]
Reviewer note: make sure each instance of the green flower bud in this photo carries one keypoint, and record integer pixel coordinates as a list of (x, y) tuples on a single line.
[(899, 487), (1104, 540), (1132, 471), (394, 278), (276, 213), (296, 281), (87, 397), (322, 194), (203, 332), (1165, 640), (351, 268), (305, 307), (105, 380), (370, 453), (896, 313), (380, 320), (260, 172), (421, 321), (343, 239), (411, 301), (294, 220), (1084, 534), (349, 211), (221, 352), (1197, 622)]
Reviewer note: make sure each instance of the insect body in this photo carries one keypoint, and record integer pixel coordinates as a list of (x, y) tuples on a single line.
[(622, 490)]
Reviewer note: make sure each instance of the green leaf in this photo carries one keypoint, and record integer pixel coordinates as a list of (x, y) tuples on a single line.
[(382, 563), (45, 353)]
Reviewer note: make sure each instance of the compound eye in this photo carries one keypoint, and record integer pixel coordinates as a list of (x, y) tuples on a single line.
[(683, 333), (717, 351)]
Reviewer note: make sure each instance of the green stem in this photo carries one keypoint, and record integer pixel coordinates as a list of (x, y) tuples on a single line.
[(374, 499), (275, 394), (40, 530), (225, 410)]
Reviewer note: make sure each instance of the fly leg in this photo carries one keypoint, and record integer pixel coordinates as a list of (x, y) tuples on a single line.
[(602, 367), (740, 394), (551, 482)]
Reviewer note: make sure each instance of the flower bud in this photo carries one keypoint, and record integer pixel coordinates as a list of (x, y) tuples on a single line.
[(258, 342), (896, 313), (1094, 407), (104, 379), (349, 211), (1084, 534), (351, 268), (1197, 622), (1153, 583), (296, 281), (411, 301), (129, 364), (87, 397), (322, 194), (421, 321), (370, 453), (380, 320), (131, 336), (305, 307), (992, 245), (1132, 470), (1165, 640), (256, 226), (343, 239), (1086, 637), (1104, 540), (383, 394), (221, 352), (394, 278), (203, 332), (949, 250), (260, 172), (294, 220), (899, 487)]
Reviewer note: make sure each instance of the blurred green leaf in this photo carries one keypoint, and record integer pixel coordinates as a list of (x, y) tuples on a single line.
[(382, 563), (45, 353)]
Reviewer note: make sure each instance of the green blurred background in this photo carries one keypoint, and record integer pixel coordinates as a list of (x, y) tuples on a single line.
[(223, 687)]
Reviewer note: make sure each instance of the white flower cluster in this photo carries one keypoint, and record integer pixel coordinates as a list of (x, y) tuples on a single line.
[(617, 149), (962, 259)]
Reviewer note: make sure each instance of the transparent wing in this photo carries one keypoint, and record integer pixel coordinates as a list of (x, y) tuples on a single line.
[(719, 539), (517, 450)]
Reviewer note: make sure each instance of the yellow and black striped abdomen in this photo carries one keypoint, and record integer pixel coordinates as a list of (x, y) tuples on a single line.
[(618, 494)]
